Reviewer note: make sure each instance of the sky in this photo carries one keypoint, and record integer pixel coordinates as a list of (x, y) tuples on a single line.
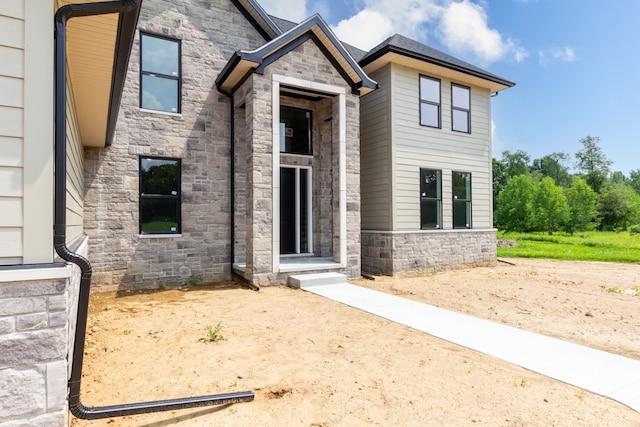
[(575, 63)]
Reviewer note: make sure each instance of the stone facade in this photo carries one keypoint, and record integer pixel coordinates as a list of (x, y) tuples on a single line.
[(37, 323), (199, 136), (407, 253), (255, 146)]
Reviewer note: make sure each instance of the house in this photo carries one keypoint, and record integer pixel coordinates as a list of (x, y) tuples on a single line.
[(206, 140), (425, 161)]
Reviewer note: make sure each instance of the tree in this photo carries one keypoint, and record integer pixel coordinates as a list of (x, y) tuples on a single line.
[(582, 202), (516, 163), (499, 170), (618, 177), (554, 166), (634, 180), (619, 207), (592, 162), (549, 205), (514, 204)]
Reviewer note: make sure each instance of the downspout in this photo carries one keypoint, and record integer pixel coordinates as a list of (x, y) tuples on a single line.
[(59, 240), (232, 169)]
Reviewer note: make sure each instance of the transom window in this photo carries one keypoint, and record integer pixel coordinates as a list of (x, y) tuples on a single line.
[(430, 199), (160, 75), (159, 195), (429, 102), (460, 108), (295, 131), (461, 200)]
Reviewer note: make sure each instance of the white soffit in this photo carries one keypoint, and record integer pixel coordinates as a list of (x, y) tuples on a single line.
[(432, 69), (90, 53)]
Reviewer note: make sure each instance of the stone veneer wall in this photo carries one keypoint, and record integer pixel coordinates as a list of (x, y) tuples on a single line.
[(210, 31), (401, 253), (37, 324)]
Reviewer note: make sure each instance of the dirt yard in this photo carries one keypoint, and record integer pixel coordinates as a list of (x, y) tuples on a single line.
[(314, 362)]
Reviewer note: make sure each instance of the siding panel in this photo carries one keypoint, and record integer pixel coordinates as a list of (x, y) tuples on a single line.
[(11, 239), (11, 32), (11, 121), (11, 151), (12, 64), (418, 146), (11, 92), (375, 166), (10, 182), (11, 211), (75, 172)]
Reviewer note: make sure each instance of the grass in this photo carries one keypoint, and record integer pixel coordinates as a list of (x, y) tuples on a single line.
[(585, 246)]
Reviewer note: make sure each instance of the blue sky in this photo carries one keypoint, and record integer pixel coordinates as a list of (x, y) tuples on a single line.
[(575, 62)]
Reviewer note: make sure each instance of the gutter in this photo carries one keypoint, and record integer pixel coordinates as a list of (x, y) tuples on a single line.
[(128, 10)]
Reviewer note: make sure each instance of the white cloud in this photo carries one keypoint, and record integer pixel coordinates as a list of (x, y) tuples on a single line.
[(379, 19), (464, 29), (564, 54), (461, 25), (295, 11), (365, 29)]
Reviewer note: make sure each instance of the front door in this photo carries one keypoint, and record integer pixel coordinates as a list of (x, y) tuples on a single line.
[(295, 210)]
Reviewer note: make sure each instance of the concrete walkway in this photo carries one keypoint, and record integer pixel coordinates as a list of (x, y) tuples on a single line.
[(603, 373)]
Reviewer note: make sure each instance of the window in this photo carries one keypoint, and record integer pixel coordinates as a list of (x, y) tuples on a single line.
[(295, 131), (430, 199), (460, 108), (160, 77), (461, 200), (159, 196), (429, 102)]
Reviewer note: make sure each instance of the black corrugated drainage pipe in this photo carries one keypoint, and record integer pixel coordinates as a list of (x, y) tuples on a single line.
[(232, 180), (128, 10)]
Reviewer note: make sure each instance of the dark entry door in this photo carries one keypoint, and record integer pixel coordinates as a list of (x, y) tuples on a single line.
[(287, 211)]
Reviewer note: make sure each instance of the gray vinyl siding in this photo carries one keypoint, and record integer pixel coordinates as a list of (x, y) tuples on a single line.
[(376, 167), (11, 131), (416, 146)]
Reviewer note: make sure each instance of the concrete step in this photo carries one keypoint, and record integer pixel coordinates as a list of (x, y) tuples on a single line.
[(303, 281)]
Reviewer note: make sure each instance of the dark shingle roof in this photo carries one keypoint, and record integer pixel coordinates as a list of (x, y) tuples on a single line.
[(286, 25), (406, 46)]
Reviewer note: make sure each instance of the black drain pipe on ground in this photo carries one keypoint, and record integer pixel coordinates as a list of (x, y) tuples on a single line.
[(128, 9)]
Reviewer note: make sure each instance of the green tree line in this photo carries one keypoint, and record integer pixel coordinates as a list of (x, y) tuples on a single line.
[(544, 194)]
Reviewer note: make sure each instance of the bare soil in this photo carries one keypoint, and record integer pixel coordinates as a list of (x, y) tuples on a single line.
[(315, 362)]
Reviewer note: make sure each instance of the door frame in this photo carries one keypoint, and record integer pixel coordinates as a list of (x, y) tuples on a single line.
[(297, 209), (340, 101)]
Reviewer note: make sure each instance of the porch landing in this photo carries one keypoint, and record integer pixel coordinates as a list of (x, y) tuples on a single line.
[(298, 264)]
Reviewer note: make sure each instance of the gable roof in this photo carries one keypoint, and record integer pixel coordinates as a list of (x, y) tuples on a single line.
[(244, 62), (256, 15), (401, 49)]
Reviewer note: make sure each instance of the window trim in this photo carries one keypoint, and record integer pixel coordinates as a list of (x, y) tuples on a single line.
[(454, 108), (438, 200), (177, 197), (423, 101), (177, 78), (467, 202)]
